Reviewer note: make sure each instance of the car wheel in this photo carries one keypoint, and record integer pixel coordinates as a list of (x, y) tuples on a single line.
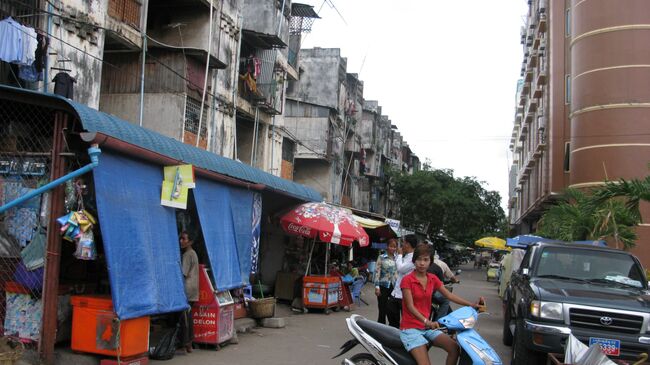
[(521, 355), (507, 334)]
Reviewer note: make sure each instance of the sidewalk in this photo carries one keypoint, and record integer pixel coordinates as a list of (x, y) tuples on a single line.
[(311, 338)]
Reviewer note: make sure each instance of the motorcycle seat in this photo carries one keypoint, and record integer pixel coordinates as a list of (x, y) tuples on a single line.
[(386, 335)]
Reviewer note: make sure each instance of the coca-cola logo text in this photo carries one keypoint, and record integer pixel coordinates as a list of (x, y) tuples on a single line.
[(299, 229)]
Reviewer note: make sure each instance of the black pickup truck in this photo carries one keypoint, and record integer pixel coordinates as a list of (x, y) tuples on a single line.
[(599, 295)]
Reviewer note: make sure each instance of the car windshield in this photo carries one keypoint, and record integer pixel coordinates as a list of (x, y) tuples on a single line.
[(593, 266)]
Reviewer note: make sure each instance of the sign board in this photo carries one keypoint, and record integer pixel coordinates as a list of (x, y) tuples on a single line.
[(177, 181), (395, 225)]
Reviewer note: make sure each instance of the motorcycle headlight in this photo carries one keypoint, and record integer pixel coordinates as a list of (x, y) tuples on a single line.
[(468, 322), (487, 359), (546, 310)]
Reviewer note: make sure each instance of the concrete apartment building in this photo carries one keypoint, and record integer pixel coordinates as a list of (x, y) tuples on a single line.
[(345, 143), (214, 74), (582, 105)]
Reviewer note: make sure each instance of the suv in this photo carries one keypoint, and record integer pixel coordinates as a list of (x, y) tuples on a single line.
[(597, 294)]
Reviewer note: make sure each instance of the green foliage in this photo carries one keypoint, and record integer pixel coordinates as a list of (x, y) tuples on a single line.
[(632, 191), (583, 216), (459, 208)]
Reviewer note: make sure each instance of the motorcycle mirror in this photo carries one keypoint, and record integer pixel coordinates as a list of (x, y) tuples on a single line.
[(459, 271)]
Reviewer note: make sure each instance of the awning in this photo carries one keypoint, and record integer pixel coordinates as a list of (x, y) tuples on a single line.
[(105, 124), (139, 237), (376, 229), (226, 216)]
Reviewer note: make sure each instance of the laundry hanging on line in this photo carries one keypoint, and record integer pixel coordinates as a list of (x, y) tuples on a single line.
[(18, 43)]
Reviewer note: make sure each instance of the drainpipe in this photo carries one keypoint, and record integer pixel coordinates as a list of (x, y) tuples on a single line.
[(235, 89), (49, 31), (93, 152), (144, 58)]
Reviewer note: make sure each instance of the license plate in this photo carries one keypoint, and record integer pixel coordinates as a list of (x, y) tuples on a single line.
[(609, 347)]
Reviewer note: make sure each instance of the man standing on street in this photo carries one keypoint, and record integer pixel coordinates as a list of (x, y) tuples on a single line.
[(190, 269), (404, 266), (444, 273)]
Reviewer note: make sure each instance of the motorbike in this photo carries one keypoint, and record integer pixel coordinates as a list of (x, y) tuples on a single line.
[(384, 346)]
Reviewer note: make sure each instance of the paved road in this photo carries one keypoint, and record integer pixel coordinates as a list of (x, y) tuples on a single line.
[(315, 337)]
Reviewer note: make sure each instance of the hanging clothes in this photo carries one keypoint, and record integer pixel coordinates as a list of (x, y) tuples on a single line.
[(40, 55), (63, 85), (29, 73), (11, 41), (30, 44)]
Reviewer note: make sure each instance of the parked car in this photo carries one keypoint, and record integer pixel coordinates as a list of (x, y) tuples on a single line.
[(599, 295)]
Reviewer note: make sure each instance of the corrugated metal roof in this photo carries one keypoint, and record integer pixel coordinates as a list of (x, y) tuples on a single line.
[(303, 11), (96, 121)]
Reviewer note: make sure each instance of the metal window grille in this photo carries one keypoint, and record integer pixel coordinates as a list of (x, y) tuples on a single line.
[(26, 135), (192, 116)]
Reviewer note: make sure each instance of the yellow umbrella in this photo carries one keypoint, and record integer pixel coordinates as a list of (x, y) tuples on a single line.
[(494, 243)]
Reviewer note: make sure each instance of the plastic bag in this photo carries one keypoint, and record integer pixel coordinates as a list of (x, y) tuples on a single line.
[(580, 354), (166, 347)]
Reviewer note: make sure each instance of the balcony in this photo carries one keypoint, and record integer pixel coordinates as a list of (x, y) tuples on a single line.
[(532, 106), (525, 89), (541, 77), (538, 92), (542, 25), (126, 11), (536, 42), (528, 75), (523, 100), (533, 58)]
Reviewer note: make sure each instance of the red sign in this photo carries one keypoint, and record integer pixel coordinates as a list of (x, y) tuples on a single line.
[(205, 320)]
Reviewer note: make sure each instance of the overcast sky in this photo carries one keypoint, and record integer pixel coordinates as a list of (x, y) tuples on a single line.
[(445, 72)]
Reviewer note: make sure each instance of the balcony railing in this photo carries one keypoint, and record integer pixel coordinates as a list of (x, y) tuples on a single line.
[(127, 11)]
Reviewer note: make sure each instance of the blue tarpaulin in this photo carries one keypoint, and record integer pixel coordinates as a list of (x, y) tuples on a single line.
[(226, 216), (140, 238)]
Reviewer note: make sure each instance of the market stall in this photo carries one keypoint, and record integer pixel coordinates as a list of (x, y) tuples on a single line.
[(327, 224)]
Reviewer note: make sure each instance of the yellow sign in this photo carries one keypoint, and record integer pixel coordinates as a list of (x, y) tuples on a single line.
[(178, 179)]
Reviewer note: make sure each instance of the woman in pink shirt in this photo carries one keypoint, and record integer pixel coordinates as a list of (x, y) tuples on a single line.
[(416, 328)]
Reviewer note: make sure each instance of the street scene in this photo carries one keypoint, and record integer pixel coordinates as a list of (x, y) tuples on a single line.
[(354, 182)]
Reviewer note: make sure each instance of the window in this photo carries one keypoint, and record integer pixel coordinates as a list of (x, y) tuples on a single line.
[(567, 156), (567, 23), (567, 89), (192, 117), (600, 267)]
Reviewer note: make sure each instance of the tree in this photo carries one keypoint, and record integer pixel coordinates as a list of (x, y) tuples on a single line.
[(581, 216), (459, 208), (632, 191)]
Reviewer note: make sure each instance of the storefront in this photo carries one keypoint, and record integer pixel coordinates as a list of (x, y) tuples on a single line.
[(136, 257)]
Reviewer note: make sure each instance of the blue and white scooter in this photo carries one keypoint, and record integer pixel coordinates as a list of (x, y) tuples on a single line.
[(385, 347)]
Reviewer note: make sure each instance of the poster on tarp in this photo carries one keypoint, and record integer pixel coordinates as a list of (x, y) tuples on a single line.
[(177, 181)]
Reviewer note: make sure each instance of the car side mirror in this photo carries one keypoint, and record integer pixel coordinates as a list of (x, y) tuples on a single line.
[(525, 272)]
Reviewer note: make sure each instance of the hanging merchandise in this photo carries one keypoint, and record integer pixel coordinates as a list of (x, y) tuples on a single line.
[(64, 85), (257, 227), (77, 227), (33, 255)]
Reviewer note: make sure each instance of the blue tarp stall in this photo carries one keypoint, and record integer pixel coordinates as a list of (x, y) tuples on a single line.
[(226, 216), (140, 238)]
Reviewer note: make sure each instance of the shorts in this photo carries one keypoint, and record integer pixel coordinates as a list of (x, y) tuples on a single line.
[(413, 338)]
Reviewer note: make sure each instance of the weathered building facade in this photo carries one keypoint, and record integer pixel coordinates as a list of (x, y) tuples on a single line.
[(582, 104), (346, 144)]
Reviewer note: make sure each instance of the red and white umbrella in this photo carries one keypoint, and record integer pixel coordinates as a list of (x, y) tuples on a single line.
[(325, 222)]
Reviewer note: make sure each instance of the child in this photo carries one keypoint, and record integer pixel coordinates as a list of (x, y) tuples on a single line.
[(417, 329)]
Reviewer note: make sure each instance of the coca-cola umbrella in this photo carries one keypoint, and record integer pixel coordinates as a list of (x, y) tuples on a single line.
[(326, 223)]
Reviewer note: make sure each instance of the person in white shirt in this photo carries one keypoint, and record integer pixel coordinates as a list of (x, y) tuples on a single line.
[(404, 266)]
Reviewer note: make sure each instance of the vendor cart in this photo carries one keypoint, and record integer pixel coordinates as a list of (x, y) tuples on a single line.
[(214, 314), (328, 224)]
